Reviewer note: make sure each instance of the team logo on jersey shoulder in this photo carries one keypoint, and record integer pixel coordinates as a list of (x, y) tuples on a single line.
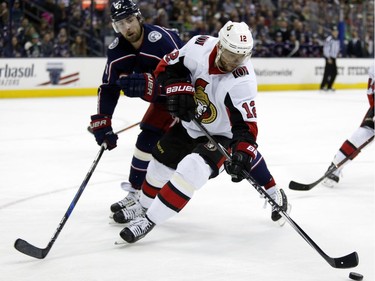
[(154, 36), (114, 43), (201, 40), (240, 72)]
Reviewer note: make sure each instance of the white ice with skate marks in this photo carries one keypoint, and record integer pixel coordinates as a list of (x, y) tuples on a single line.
[(223, 233)]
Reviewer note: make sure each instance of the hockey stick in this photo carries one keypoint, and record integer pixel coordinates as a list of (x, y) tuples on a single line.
[(348, 261), (123, 130), (304, 187), (40, 253)]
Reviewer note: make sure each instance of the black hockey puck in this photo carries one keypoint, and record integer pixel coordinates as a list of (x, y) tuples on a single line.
[(355, 276)]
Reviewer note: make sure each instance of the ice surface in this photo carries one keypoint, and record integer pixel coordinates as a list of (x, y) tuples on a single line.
[(222, 234)]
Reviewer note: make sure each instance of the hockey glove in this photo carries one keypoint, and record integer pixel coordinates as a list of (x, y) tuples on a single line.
[(243, 155), (139, 85), (180, 100), (102, 130)]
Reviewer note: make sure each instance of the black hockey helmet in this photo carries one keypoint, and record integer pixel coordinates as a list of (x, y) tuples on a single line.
[(121, 9)]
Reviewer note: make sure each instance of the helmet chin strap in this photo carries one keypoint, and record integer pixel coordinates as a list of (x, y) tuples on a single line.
[(218, 55), (115, 28)]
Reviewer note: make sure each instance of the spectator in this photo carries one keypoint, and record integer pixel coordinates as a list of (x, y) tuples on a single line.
[(283, 29), (305, 47), (14, 49), (292, 46), (33, 47), (316, 47), (196, 15), (277, 48), (262, 47), (23, 30), (79, 46), (161, 17), (44, 27), (47, 44), (4, 14), (229, 6), (261, 27), (61, 47), (355, 46), (17, 14), (77, 15)]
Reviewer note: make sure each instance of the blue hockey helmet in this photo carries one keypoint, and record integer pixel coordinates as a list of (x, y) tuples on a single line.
[(121, 9)]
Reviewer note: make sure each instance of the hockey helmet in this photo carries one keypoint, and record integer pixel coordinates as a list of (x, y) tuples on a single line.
[(121, 9), (234, 46), (236, 37)]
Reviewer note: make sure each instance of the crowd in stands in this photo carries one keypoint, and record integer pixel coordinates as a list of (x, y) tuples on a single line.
[(281, 28)]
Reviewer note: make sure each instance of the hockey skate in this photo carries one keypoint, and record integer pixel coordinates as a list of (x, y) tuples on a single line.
[(129, 200), (279, 196), (333, 179), (137, 229), (129, 213)]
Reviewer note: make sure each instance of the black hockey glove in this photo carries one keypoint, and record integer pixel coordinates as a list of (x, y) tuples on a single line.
[(242, 156), (139, 85), (102, 129), (180, 100)]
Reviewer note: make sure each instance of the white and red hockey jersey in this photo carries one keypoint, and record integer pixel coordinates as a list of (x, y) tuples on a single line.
[(226, 104)]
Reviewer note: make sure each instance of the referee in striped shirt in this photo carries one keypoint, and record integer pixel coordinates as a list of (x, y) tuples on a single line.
[(331, 50)]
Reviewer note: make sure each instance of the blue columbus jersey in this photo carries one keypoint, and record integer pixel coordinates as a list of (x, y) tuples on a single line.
[(122, 59)]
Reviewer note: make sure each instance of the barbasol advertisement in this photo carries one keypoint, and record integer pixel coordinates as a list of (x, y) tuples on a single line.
[(44, 73)]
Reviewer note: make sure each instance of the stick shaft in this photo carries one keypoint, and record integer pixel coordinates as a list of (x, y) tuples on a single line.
[(27, 248)]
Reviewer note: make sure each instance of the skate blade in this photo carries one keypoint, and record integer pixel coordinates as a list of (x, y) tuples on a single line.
[(121, 242)]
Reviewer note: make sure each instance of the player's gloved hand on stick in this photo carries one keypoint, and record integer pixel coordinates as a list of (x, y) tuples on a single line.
[(101, 126), (242, 156), (180, 100), (139, 85)]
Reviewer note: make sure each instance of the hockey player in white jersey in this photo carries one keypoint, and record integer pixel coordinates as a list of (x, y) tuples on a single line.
[(213, 80), (361, 135)]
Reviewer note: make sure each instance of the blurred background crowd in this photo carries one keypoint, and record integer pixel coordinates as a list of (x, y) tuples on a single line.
[(281, 28)]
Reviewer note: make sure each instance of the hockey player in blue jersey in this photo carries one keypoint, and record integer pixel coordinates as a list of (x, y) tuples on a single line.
[(131, 59)]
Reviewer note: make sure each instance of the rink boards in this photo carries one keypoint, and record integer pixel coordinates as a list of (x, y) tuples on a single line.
[(56, 77)]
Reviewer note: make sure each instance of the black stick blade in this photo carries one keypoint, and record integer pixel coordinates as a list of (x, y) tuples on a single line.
[(301, 186), (30, 250), (347, 261)]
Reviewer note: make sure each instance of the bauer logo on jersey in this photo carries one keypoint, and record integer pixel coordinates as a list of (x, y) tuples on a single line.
[(206, 111), (114, 43), (154, 36)]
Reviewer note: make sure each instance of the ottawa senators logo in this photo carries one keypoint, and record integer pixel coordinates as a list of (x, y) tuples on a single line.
[(201, 40), (206, 111), (240, 72)]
